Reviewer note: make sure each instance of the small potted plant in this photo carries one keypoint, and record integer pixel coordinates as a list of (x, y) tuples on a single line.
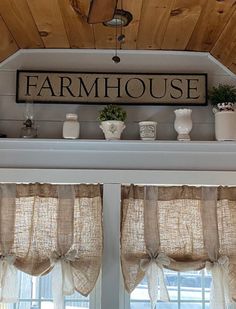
[(222, 99), (112, 119)]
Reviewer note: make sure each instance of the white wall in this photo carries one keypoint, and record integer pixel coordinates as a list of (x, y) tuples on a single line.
[(50, 117)]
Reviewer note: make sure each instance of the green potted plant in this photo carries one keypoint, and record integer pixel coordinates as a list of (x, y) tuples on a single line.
[(112, 119), (222, 99)]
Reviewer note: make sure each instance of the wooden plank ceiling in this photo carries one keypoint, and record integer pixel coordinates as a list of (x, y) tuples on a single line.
[(185, 25)]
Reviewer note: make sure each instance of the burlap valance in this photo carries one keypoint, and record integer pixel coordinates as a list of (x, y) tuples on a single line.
[(41, 225), (180, 228)]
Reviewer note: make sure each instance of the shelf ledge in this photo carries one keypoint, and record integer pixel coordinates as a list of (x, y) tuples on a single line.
[(118, 155)]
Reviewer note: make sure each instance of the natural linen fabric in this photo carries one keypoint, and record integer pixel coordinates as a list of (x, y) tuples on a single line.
[(47, 226), (193, 227)]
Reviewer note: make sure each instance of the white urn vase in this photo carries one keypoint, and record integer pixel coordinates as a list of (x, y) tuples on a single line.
[(183, 123), (112, 129)]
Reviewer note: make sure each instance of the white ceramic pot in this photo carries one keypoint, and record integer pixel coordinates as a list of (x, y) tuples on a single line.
[(147, 130), (225, 126), (183, 123), (112, 129)]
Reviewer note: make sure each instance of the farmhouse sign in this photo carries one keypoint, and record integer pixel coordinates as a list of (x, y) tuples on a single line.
[(117, 88)]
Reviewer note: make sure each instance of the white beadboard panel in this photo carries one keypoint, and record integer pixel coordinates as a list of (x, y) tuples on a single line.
[(50, 129), (200, 132), (101, 60), (7, 82), (221, 79), (9, 109), (91, 130), (50, 117), (13, 62)]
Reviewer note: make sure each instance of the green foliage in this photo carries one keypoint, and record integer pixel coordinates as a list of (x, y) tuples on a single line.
[(112, 112), (222, 93)]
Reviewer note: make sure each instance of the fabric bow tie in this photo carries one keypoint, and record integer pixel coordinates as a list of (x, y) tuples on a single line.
[(62, 277), (219, 295), (153, 268), (8, 279)]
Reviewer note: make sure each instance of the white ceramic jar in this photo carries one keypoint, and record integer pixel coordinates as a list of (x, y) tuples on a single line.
[(71, 127), (225, 126), (147, 130)]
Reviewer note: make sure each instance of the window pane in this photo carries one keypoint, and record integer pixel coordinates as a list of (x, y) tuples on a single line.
[(186, 290), (47, 305), (77, 296), (45, 287), (36, 293), (29, 286), (146, 305), (77, 305), (207, 284), (191, 305), (191, 286), (172, 283), (27, 305)]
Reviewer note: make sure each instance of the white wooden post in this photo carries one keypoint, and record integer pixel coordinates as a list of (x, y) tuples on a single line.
[(111, 275)]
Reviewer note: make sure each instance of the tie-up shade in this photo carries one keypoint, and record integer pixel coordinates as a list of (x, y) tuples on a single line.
[(54, 228), (180, 228)]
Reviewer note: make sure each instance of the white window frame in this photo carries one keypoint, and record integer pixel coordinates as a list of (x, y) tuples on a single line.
[(113, 163), (113, 294)]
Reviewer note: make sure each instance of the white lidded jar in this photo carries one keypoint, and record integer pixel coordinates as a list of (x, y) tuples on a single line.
[(71, 127)]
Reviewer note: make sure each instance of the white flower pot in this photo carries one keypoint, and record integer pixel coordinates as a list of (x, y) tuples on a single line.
[(183, 123), (225, 126), (147, 130), (112, 129)]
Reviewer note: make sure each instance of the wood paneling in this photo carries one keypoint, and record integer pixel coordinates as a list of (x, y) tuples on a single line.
[(154, 18), (225, 48), (198, 25), (79, 32), (105, 37), (131, 32), (17, 16), (182, 21), (211, 23), (8, 45), (47, 16)]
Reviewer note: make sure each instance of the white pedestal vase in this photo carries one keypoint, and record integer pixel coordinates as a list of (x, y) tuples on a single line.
[(183, 123), (225, 125), (112, 129)]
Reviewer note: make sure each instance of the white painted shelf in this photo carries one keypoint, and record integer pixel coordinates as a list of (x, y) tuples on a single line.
[(117, 155)]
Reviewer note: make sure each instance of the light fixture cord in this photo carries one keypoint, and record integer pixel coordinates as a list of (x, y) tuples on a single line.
[(116, 37), (121, 6)]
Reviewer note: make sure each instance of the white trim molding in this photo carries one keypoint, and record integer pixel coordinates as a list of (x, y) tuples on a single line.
[(117, 155)]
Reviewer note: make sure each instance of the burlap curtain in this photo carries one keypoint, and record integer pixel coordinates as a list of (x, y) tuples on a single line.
[(54, 228), (179, 228)]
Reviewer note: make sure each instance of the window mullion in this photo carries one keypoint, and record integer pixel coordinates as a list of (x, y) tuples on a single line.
[(111, 275)]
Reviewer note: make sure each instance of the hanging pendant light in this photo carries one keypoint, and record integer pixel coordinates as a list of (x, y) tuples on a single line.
[(120, 19), (116, 58)]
